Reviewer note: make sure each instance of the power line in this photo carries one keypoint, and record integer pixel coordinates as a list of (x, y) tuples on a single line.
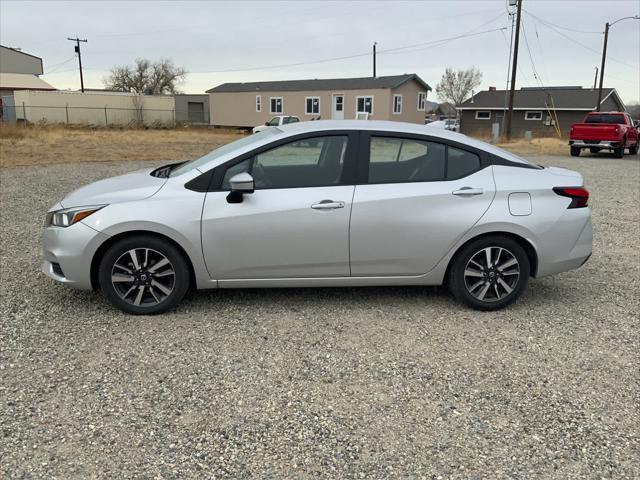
[(536, 75), (326, 60), (560, 26), (55, 66), (551, 27)]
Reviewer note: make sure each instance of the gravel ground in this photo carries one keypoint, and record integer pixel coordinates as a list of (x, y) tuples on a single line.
[(309, 383)]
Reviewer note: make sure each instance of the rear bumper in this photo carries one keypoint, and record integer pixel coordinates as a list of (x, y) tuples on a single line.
[(562, 258), (597, 144)]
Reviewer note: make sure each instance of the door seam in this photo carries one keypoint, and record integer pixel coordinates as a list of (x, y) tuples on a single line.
[(353, 195)]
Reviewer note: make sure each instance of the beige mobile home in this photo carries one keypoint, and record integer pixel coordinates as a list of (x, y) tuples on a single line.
[(401, 98)]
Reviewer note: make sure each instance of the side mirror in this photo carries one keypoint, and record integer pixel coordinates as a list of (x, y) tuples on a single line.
[(241, 183), (266, 124)]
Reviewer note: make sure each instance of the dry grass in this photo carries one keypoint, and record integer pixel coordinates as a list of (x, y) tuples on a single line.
[(46, 145), (537, 146), (54, 144)]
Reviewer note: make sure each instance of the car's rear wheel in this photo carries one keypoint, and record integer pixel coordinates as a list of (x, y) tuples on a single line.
[(575, 151), (633, 149), (144, 274), (489, 273)]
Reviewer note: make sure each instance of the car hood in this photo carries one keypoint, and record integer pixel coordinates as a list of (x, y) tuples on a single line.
[(124, 188)]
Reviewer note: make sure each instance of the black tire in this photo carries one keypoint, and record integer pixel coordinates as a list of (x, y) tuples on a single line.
[(633, 149), (575, 151), (618, 152), (594, 150), (461, 286), (152, 300)]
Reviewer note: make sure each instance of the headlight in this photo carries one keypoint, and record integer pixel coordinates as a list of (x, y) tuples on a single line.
[(69, 216)]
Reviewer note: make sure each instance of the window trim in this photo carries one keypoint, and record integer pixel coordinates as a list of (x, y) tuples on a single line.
[(281, 112), (526, 114), (305, 105), (258, 103), (424, 107), (393, 110), (365, 146), (372, 105), (483, 111)]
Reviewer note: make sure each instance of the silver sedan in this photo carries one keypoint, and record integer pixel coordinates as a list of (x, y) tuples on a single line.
[(318, 204)]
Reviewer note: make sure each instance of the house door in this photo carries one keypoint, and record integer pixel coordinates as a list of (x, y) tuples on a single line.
[(337, 112)]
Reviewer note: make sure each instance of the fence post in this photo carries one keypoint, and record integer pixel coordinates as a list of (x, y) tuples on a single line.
[(106, 123), (173, 114), (24, 114), (66, 107)]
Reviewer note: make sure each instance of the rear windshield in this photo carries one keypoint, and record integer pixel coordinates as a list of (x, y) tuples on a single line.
[(605, 118)]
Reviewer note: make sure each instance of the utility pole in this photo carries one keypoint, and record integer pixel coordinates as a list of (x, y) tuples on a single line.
[(513, 72), (77, 50), (374, 59), (604, 53), (604, 56), (595, 79)]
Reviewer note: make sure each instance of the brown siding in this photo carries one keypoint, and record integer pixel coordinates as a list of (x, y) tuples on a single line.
[(482, 128), (410, 112), (237, 109)]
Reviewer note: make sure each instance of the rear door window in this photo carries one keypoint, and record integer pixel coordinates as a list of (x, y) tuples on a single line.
[(397, 160), (461, 163)]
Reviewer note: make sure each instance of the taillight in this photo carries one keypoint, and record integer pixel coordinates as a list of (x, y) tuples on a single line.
[(579, 196)]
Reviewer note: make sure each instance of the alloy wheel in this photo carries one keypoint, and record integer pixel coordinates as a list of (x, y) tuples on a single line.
[(143, 277), (491, 274)]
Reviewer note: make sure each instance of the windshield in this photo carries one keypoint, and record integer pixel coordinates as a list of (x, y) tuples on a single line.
[(225, 149), (605, 118)]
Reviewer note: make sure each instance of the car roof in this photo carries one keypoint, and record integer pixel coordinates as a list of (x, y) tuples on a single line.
[(397, 127)]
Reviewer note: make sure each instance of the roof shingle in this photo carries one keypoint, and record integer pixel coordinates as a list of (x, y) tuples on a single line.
[(563, 98), (321, 84)]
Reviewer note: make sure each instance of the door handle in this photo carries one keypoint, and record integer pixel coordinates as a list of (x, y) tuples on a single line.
[(468, 192), (327, 205)]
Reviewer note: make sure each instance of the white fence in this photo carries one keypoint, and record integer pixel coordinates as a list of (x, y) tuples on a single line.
[(90, 108)]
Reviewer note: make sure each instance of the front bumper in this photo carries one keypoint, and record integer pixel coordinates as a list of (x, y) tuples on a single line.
[(610, 144), (67, 253)]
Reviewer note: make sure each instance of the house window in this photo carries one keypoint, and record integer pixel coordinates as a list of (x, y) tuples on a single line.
[(397, 104), (537, 115), (276, 104), (258, 103), (483, 115), (422, 101), (364, 104), (312, 105)]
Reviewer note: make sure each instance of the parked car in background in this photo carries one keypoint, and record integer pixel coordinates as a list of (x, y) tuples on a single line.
[(613, 131), (276, 121), (450, 124), (319, 204)]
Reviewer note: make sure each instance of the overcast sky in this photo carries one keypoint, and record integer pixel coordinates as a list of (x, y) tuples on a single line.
[(221, 42)]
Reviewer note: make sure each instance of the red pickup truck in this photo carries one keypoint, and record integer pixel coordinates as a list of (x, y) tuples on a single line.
[(612, 131)]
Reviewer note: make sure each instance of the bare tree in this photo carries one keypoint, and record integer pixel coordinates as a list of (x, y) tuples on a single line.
[(456, 86), (146, 77)]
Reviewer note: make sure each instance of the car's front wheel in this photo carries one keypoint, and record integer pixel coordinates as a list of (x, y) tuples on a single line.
[(489, 273), (144, 274)]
